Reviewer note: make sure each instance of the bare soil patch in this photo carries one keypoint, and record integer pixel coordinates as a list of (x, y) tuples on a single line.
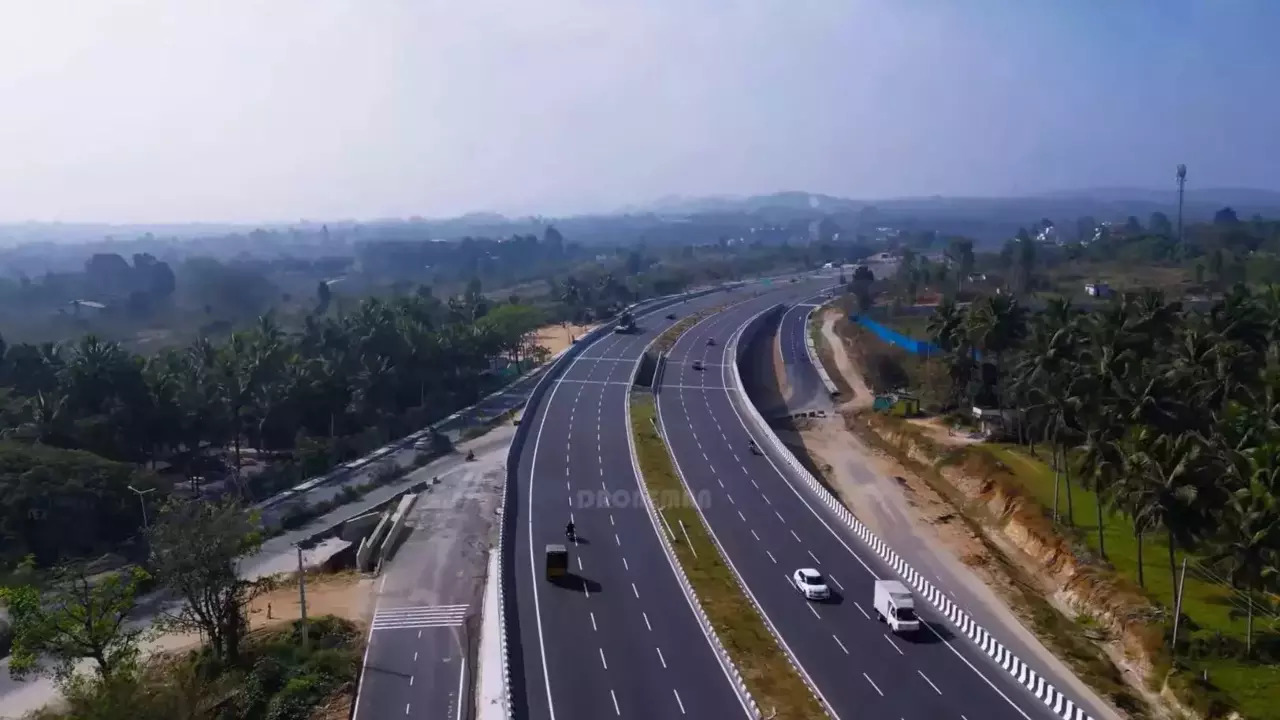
[(558, 337)]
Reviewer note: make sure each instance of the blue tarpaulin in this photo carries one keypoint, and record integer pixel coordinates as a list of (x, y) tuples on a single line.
[(893, 337)]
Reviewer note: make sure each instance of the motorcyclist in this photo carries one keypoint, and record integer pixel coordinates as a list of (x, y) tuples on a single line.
[(568, 530), (471, 454)]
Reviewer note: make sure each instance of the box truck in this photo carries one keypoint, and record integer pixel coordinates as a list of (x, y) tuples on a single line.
[(895, 606)]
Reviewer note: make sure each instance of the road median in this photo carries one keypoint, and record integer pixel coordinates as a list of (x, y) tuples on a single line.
[(765, 669)]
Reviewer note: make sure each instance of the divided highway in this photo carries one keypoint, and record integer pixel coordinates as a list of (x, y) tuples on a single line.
[(769, 526), (618, 639)]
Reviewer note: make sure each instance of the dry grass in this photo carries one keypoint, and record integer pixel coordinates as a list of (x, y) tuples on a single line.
[(769, 675)]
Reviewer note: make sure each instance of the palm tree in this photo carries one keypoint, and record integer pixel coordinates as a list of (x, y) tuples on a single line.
[(1163, 489), (1247, 542), (997, 325)]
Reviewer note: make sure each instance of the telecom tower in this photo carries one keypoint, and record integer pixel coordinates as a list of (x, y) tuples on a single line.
[(1182, 186)]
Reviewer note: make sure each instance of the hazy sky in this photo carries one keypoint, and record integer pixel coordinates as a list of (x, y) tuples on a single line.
[(166, 110)]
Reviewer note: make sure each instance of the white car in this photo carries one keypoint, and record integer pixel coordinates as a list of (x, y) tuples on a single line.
[(811, 584)]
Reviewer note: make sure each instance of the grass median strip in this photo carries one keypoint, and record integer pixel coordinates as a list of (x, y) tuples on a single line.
[(773, 681)]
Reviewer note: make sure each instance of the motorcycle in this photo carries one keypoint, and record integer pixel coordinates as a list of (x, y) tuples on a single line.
[(471, 455), (571, 536), (755, 449)]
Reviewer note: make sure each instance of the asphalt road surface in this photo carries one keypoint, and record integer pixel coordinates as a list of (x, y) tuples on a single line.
[(770, 526), (804, 390), (420, 660), (617, 638)]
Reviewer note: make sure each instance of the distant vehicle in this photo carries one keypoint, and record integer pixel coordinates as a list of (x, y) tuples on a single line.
[(671, 316), (557, 561), (811, 584), (711, 341), (697, 364), (626, 323), (895, 606)]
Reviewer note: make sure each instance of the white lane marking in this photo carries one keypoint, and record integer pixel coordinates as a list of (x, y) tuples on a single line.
[(602, 660), (730, 496), (616, 710), (406, 708), (462, 674), (794, 535), (579, 562), (842, 647), (593, 622), (815, 612), (415, 656), (634, 591), (678, 702), (744, 517), (646, 620), (754, 535), (771, 557), (926, 679), (617, 540), (411, 681), (625, 566), (815, 557), (775, 512), (873, 684), (660, 658), (864, 612), (840, 539), (833, 579), (895, 645)]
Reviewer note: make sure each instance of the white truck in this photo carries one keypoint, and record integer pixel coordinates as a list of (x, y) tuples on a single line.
[(895, 606)]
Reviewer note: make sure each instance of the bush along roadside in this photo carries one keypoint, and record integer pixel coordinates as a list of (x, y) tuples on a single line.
[(766, 670)]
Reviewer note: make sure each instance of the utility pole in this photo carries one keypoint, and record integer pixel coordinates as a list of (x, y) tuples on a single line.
[(143, 502), (1182, 186), (1177, 606), (302, 598)]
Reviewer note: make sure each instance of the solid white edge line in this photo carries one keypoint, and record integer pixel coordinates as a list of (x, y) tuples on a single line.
[(742, 582), (841, 540), (671, 561), (533, 474)]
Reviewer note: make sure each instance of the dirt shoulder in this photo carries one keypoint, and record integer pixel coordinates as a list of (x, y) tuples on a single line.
[(558, 337)]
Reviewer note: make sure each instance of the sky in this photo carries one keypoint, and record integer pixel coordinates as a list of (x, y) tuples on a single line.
[(256, 111)]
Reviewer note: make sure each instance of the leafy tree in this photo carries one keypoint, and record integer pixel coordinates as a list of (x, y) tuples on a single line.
[(1225, 216), (1159, 224), (860, 286), (78, 617), (196, 550)]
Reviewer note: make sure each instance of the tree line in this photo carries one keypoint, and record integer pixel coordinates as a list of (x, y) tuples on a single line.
[(1170, 415), (84, 420)]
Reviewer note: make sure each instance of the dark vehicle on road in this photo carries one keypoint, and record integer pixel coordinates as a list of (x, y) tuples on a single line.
[(697, 364), (671, 316), (711, 341), (557, 561)]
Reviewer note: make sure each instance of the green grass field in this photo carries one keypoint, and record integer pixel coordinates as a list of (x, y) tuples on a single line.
[(1254, 688)]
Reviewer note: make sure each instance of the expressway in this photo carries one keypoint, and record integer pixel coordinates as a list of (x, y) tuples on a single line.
[(898, 530), (618, 639), (769, 526), (805, 390)]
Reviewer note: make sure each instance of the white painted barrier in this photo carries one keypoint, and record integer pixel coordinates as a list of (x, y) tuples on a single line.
[(1059, 703), (812, 352), (398, 520)]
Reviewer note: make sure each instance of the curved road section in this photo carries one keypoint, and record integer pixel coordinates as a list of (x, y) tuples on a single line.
[(617, 638), (768, 526), (805, 389)]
